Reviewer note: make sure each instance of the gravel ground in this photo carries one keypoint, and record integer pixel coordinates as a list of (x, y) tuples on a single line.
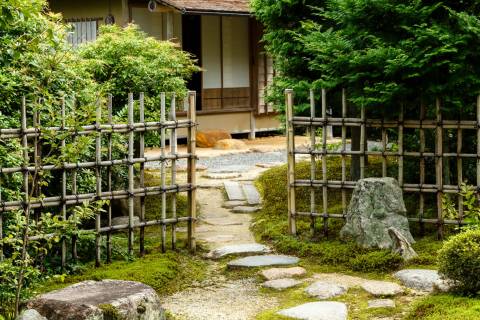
[(238, 161)]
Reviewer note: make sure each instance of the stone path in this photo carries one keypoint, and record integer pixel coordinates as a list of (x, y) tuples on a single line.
[(225, 191)]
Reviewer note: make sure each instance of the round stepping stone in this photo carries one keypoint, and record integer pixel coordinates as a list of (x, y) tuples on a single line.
[(245, 209), (325, 290), (281, 284), (323, 310), (280, 273), (233, 203), (420, 279), (249, 248), (262, 261), (381, 303), (219, 176), (382, 288), (269, 165)]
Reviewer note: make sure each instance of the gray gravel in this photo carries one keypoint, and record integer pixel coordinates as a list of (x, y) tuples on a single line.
[(237, 161)]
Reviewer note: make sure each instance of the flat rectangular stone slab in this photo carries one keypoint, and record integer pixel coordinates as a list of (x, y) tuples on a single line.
[(324, 310), (251, 193), (245, 209), (248, 248), (263, 261), (234, 191)]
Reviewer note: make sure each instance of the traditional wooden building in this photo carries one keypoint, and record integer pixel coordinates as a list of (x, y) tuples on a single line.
[(223, 36)]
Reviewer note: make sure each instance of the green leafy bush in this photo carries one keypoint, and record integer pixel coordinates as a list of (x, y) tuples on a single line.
[(459, 260)]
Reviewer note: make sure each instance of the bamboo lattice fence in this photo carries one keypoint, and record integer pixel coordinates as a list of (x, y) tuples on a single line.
[(319, 182), (104, 162)]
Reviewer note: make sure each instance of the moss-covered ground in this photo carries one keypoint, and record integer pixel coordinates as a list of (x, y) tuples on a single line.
[(322, 253)]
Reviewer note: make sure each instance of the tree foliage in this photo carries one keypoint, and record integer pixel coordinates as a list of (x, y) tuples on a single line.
[(385, 52)]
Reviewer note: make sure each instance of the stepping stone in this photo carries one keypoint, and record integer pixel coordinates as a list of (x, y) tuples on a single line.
[(234, 203), (251, 193), (382, 288), (234, 191), (221, 222), (230, 169), (263, 261), (210, 185), (249, 248), (325, 290), (269, 165), (323, 310), (421, 279), (280, 273), (381, 303), (281, 284), (199, 167), (219, 176), (220, 237), (245, 209)]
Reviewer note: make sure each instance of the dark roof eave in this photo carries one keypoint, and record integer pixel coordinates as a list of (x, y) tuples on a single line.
[(215, 12)]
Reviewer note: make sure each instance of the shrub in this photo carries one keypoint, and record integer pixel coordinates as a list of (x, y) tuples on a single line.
[(379, 261), (459, 260)]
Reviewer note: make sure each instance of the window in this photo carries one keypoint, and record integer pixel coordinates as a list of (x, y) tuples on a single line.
[(83, 30)]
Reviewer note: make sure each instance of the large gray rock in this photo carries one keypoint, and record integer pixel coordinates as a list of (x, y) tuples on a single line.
[(31, 314), (263, 261), (325, 290), (324, 310), (376, 205), (97, 300), (248, 248), (422, 280), (401, 244)]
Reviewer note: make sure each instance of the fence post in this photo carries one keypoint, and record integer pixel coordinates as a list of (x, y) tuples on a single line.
[(64, 184), (98, 178), (109, 179), (313, 165), (131, 199), (192, 206), (439, 167), (324, 163), (291, 161), (142, 172), (162, 171), (173, 152)]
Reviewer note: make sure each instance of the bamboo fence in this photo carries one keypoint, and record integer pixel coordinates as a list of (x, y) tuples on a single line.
[(321, 151), (31, 137)]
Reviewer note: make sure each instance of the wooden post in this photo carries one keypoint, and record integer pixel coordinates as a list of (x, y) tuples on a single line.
[(324, 163), (439, 168), (291, 162), (191, 168), (64, 184), (162, 171), (384, 149), (422, 169), (313, 165), (363, 142), (344, 149), (142, 172), (478, 143), (109, 179), (131, 199), (252, 133), (460, 173), (98, 179), (400, 146), (173, 152)]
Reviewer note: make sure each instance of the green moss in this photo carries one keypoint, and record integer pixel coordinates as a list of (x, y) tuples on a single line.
[(110, 312), (445, 307), (166, 273), (379, 261)]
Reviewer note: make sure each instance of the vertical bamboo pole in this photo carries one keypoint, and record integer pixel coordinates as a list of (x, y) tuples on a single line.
[(162, 171), (400, 146), (313, 165), (344, 149), (291, 162), (422, 169), (74, 188), (460, 172), (191, 168), (173, 151), (98, 179), (109, 179), (478, 143), (384, 148), (363, 142), (324, 163), (64, 183), (142, 172), (439, 168), (131, 199)]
